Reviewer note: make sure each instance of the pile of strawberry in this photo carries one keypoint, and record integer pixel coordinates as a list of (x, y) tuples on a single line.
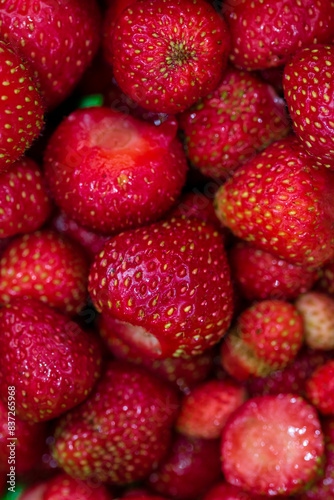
[(167, 249)]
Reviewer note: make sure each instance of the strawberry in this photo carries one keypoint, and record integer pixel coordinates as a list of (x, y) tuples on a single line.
[(226, 491), (64, 487), (21, 107), (317, 311), (272, 445), (166, 54), (326, 280), (169, 284), (25, 204), (240, 117), (109, 171), (58, 39), (123, 429), (34, 492), (114, 10), (261, 275), (205, 411), (52, 363), (273, 201), (191, 466), (45, 266), (265, 34), (320, 388), (266, 338)]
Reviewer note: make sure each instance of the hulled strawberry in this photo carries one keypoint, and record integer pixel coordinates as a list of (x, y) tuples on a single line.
[(166, 54), (50, 361), (25, 204), (45, 266), (122, 431), (317, 312), (168, 286), (110, 172), (309, 93), (265, 34), (273, 445), (283, 203), (57, 39), (239, 118), (21, 108)]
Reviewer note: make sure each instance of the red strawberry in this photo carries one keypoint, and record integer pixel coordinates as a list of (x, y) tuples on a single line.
[(123, 429), (34, 492), (317, 311), (110, 171), (326, 282), (58, 39), (226, 491), (114, 10), (64, 487), (272, 445), (273, 201), (261, 275), (169, 284), (52, 363), (320, 388), (21, 107), (266, 338), (166, 54), (265, 33), (45, 266), (309, 93), (25, 204), (205, 411), (240, 117), (190, 468)]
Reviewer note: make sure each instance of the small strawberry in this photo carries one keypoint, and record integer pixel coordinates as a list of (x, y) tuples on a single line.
[(64, 487), (24, 202), (109, 171), (317, 312), (274, 202), (326, 279), (21, 108), (166, 54), (45, 266), (57, 38), (266, 338), (167, 284), (320, 388), (265, 33), (239, 118), (273, 445), (123, 429), (52, 363), (309, 93), (260, 275)]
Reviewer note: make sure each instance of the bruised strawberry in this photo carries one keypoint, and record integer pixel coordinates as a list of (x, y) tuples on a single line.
[(274, 202), (273, 445), (317, 312), (21, 108), (45, 266), (52, 363), (320, 388), (25, 204), (242, 116), (57, 39), (168, 285), (109, 171), (166, 54), (64, 487), (123, 429)]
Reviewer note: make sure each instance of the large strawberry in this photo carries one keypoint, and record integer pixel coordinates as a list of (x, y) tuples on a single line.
[(57, 38), (283, 203), (166, 54), (167, 285)]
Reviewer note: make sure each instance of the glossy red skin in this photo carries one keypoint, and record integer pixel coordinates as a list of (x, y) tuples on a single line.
[(58, 278), (23, 198), (309, 93), (276, 197), (171, 279), (241, 117), (21, 107), (114, 10), (262, 455), (60, 375), (104, 430), (190, 468), (182, 373), (260, 275), (265, 34), (63, 487), (110, 172), (55, 38), (151, 76), (320, 388), (326, 281)]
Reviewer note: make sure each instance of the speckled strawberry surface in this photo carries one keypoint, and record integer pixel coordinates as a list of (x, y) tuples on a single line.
[(317, 312), (326, 279), (64, 487)]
